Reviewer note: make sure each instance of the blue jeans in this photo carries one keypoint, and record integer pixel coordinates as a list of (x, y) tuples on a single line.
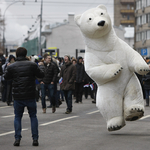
[(19, 106), (68, 97), (147, 93), (50, 88)]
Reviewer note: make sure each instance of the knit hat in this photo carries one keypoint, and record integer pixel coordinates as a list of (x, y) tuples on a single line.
[(68, 56), (10, 57), (80, 57)]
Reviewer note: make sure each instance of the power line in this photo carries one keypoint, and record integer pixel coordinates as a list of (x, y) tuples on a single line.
[(59, 2)]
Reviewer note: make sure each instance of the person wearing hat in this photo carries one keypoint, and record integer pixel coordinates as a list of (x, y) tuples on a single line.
[(68, 76)]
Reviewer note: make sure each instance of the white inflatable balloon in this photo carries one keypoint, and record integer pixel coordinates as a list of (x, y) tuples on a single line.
[(111, 63)]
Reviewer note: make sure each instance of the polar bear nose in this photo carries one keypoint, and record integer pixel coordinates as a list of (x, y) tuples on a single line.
[(101, 23)]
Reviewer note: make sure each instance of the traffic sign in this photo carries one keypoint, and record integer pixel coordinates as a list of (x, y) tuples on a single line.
[(144, 51)]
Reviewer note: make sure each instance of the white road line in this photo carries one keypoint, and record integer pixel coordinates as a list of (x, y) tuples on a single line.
[(93, 112), (145, 117), (12, 115), (5, 106), (44, 124), (11, 132)]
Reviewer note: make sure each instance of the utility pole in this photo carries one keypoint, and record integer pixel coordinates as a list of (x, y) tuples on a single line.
[(40, 26)]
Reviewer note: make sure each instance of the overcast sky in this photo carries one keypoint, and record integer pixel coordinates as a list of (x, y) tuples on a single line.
[(20, 18)]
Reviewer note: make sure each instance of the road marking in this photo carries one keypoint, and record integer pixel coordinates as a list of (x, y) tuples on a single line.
[(93, 112), (12, 115), (44, 124), (3, 134), (5, 106), (145, 117)]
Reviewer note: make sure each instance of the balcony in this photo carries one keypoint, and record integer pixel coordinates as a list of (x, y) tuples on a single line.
[(127, 1), (127, 11), (127, 22)]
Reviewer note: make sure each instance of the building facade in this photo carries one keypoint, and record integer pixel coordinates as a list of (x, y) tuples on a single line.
[(124, 13), (66, 37), (142, 27)]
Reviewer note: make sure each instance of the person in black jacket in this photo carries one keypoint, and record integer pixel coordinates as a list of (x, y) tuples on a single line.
[(23, 74), (48, 81), (79, 82), (146, 80)]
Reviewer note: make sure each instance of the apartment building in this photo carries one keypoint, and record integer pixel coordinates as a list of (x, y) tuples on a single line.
[(142, 27), (124, 13)]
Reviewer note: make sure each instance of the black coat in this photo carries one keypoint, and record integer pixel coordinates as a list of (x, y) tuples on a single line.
[(50, 71), (80, 74), (23, 74), (146, 81)]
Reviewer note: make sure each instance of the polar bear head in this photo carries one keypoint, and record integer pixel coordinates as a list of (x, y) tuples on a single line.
[(95, 22)]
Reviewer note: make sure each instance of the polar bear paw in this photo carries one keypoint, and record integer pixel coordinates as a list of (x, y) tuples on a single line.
[(142, 71), (134, 113), (118, 71), (115, 123)]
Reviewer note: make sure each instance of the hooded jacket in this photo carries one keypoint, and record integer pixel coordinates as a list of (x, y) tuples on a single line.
[(68, 73), (23, 74), (80, 71)]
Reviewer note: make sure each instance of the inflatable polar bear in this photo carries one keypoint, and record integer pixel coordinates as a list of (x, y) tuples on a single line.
[(111, 63)]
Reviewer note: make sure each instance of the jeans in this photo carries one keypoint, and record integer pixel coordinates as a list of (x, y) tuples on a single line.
[(68, 97), (19, 106), (50, 88), (147, 93)]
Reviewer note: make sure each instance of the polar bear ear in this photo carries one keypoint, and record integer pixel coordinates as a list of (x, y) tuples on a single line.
[(102, 7), (77, 19)]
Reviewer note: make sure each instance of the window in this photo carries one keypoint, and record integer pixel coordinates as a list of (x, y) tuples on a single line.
[(138, 21), (148, 2), (140, 4), (148, 34), (143, 3), (138, 37), (143, 35), (128, 6), (148, 18), (143, 19)]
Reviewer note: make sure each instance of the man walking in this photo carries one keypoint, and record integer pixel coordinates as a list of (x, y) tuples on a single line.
[(23, 74), (48, 81), (80, 74), (68, 74)]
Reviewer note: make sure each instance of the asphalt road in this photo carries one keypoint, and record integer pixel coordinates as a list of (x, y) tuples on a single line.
[(83, 129)]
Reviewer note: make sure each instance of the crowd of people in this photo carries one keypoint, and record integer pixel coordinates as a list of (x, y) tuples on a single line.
[(83, 84), (27, 80)]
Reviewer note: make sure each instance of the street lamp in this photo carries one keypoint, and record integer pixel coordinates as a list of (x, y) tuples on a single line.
[(23, 2), (40, 25)]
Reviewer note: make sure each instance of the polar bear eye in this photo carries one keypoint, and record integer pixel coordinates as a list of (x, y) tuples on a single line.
[(90, 18), (101, 13)]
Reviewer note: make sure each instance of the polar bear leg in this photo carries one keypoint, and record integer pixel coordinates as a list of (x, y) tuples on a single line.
[(110, 105), (133, 100)]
